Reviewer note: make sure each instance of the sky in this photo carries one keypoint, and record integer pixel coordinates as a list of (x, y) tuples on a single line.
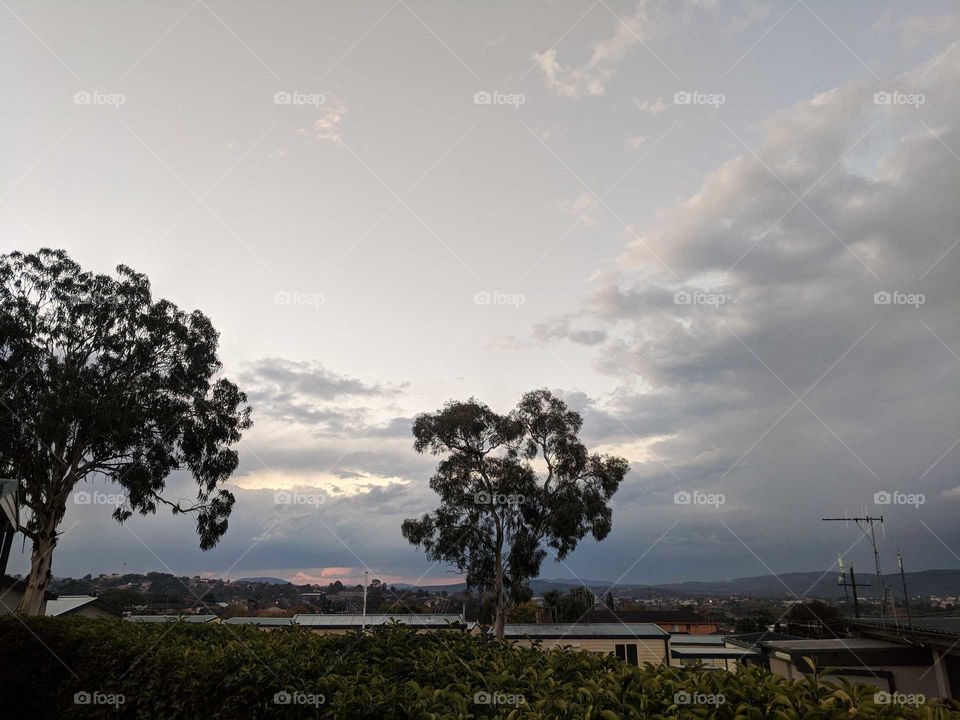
[(725, 232)]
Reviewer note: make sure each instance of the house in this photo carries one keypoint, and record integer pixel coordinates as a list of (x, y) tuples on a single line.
[(12, 591), (892, 666), (938, 635), (340, 624), (754, 641), (194, 619), (671, 621), (79, 606), (710, 651), (635, 643)]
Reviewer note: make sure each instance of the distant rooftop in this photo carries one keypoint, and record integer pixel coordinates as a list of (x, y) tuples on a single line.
[(66, 604), (170, 618), (346, 620), (581, 630), (263, 621), (646, 616)]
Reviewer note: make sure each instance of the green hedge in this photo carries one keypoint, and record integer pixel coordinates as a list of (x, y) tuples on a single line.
[(215, 671)]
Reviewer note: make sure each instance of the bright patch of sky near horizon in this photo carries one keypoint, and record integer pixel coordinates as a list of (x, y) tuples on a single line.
[(341, 248)]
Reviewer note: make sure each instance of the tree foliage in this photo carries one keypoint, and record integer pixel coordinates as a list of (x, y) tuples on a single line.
[(102, 381), (512, 487)]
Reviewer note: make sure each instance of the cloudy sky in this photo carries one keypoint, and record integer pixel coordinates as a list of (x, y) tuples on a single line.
[(727, 232)]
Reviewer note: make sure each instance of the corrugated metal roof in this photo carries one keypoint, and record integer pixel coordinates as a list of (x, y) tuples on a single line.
[(357, 620), (580, 630), (681, 639), (939, 625), (709, 652), (67, 603), (259, 621), (831, 645), (170, 618)]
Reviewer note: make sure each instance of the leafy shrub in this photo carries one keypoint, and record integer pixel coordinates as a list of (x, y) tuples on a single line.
[(179, 670)]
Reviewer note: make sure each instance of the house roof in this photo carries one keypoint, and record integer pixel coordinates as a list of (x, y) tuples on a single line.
[(646, 616), (708, 640), (581, 630), (346, 620), (755, 638), (934, 625), (170, 618), (266, 621), (828, 645), (721, 652), (66, 604)]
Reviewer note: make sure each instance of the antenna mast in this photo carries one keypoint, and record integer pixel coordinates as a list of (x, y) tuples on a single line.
[(864, 522)]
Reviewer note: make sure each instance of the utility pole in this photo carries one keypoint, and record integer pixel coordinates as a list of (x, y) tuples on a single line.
[(853, 584), (906, 596), (868, 521), (363, 624)]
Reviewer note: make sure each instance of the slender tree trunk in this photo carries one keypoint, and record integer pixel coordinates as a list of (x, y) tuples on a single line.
[(41, 563), (499, 599)]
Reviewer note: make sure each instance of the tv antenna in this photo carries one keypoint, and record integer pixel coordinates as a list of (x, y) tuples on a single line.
[(842, 582), (867, 525)]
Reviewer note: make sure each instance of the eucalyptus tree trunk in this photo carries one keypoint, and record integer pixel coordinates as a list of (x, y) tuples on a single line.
[(41, 558)]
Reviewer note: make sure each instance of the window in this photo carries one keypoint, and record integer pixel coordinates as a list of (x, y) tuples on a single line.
[(627, 653)]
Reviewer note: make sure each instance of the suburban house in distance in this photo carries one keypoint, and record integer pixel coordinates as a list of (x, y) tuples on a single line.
[(337, 624), (634, 643), (171, 618), (79, 606), (671, 621)]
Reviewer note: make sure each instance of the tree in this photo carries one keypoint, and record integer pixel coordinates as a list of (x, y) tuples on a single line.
[(102, 381), (499, 515)]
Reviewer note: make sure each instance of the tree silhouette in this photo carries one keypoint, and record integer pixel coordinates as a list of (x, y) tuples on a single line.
[(102, 381), (499, 515)]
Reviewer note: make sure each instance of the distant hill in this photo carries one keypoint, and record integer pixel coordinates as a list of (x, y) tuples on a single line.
[(264, 580), (783, 587)]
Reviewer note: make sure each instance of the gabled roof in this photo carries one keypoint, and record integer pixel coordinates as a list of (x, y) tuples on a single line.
[(348, 620), (263, 621), (582, 630), (170, 618), (67, 604)]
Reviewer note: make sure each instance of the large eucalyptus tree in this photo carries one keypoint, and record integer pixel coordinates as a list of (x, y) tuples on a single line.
[(100, 380), (511, 488)]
